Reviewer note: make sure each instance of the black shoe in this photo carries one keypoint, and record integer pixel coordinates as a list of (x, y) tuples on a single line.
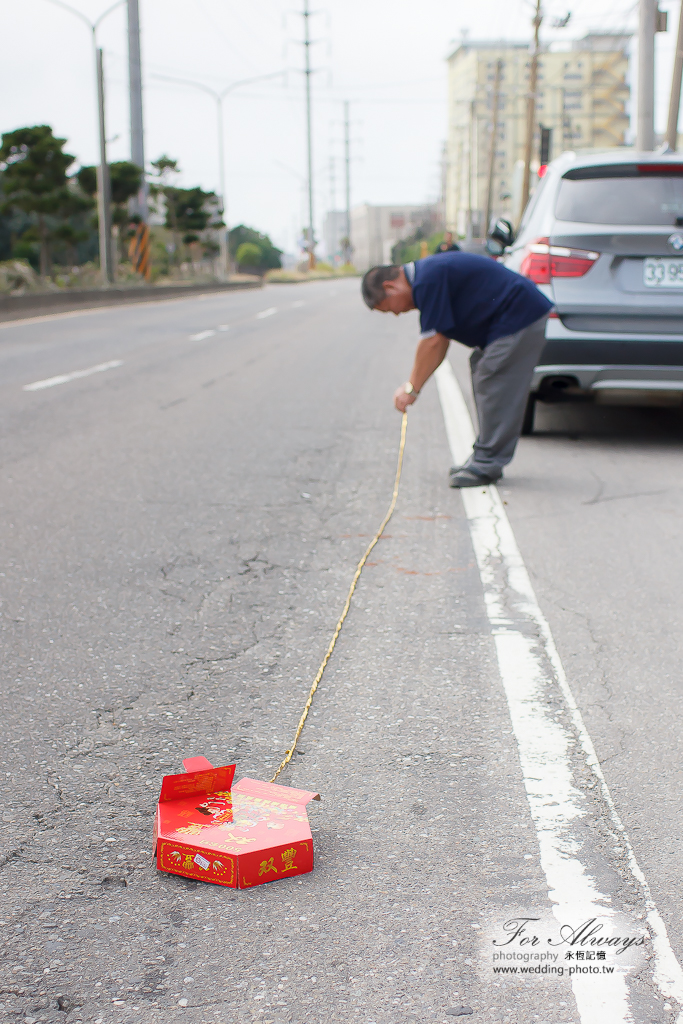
[(468, 467), (464, 476)]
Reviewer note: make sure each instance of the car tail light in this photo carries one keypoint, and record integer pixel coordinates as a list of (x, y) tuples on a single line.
[(536, 261), (543, 261), (570, 262), (674, 169)]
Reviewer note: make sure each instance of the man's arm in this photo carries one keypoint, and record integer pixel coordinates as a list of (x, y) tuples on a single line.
[(430, 354)]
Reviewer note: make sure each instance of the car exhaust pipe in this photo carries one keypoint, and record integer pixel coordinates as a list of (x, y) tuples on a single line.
[(558, 388)]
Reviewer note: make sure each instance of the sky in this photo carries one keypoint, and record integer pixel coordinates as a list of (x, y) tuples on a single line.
[(387, 57)]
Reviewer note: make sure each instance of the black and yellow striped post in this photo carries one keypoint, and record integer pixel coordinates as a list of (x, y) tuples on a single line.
[(139, 251)]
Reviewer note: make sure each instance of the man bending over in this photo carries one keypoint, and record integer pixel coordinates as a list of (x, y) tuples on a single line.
[(498, 314)]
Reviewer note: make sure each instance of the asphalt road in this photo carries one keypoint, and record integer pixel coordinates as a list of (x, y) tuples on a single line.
[(179, 529)]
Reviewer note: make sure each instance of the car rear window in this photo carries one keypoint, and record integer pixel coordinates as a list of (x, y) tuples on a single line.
[(645, 199)]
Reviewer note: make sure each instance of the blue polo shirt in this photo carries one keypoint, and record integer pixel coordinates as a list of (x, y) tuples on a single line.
[(472, 299)]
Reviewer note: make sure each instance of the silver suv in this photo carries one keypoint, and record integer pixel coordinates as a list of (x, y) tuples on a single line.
[(602, 237)]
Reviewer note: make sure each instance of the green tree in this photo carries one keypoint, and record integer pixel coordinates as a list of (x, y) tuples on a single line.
[(12, 226), (409, 248), (34, 180), (164, 167), (165, 170), (87, 179), (190, 210), (270, 255), (248, 255), (70, 237), (125, 179)]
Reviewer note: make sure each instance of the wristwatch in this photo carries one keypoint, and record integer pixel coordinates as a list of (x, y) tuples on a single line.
[(409, 389)]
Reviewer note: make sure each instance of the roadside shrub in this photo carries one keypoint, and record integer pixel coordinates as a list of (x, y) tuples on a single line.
[(248, 256), (17, 277)]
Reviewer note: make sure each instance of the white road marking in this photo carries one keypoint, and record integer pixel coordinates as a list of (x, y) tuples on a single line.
[(64, 378), (298, 304), (531, 671), (202, 335), (266, 312), (224, 327)]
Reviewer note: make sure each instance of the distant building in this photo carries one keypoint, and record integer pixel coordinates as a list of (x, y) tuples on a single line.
[(334, 231), (581, 104), (375, 230)]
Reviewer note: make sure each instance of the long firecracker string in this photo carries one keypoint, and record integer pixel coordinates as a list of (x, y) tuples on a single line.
[(347, 603)]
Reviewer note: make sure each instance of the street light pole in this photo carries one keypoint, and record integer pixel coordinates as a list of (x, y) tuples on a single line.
[(103, 189), (137, 142), (103, 183), (218, 97), (223, 235)]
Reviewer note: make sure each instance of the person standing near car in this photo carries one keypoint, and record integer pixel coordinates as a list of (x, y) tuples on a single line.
[(447, 245), (497, 313)]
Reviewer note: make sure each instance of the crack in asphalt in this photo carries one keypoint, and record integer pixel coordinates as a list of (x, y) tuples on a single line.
[(550, 595)]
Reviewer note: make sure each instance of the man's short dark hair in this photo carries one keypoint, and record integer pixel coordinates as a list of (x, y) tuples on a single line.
[(373, 284)]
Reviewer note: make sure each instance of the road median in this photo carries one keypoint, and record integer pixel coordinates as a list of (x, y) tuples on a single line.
[(21, 307)]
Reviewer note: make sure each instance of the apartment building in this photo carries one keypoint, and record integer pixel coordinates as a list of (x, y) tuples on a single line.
[(334, 232), (581, 104), (375, 230)]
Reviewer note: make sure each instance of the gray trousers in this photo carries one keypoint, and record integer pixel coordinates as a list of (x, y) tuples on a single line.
[(501, 374)]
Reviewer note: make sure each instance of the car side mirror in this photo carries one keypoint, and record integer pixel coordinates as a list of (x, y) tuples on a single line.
[(494, 247), (501, 231)]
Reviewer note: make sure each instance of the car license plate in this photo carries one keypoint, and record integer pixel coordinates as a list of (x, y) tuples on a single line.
[(666, 272)]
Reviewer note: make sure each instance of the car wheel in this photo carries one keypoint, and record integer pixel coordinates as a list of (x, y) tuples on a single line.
[(529, 412)]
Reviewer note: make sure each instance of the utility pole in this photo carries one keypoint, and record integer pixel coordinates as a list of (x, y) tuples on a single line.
[(347, 182), (470, 173), (444, 185), (494, 137), (331, 237), (675, 99), (103, 183), (531, 104), (307, 70), (458, 186), (333, 184), (137, 144), (645, 126)]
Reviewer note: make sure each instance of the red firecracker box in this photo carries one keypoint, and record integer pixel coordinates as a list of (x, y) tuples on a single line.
[(240, 835)]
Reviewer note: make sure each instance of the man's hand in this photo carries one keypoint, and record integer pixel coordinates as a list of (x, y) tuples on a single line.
[(403, 400), (431, 352)]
